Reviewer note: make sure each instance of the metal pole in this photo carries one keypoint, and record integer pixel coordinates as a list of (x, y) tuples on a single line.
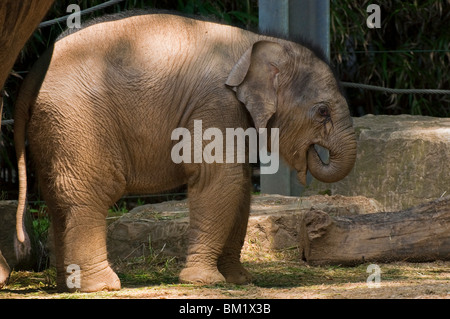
[(309, 19), (274, 17)]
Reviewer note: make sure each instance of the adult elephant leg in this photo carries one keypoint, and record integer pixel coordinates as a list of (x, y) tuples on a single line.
[(214, 203), (4, 271), (18, 19), (229, 262)]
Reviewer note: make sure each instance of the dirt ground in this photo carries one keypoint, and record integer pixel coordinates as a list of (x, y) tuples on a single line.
[(272, 280)]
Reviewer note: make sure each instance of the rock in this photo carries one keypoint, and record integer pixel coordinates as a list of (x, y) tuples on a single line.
[(273, 224), (150, 229), (402, 161), (336, 205)]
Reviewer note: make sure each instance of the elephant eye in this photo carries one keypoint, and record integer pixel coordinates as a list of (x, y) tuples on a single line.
[(324, 111)]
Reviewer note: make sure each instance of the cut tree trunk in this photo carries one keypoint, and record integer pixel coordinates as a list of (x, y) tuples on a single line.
[(418, 234)]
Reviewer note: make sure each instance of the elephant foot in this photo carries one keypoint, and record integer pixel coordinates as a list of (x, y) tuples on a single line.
[(110, 282), (104, 280), (202, 276), (235, 273)]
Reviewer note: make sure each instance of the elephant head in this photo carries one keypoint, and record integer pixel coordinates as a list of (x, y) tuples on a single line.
[(287, 86)]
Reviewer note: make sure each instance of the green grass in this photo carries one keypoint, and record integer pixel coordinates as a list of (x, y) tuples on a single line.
[(150, 270), (40, 222), (118, 209)]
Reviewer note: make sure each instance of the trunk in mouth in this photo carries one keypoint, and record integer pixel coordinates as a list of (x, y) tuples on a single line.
[(342, 150)]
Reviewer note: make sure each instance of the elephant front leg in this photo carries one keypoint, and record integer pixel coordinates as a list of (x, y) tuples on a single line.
[(229, 262), (216, 229), (80, 247), (206, 241)]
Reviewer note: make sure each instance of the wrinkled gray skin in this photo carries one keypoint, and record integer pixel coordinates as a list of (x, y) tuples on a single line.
[(100, 126)]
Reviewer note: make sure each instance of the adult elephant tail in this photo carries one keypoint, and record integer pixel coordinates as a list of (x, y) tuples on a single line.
[(22, 244), (26, 98)]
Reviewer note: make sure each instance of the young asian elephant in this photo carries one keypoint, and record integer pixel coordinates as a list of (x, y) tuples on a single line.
[(100, 107)]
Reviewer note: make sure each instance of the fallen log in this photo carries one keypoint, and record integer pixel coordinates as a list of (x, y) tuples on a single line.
[(418, 234)]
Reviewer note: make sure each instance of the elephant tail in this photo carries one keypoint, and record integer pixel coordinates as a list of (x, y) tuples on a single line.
[(27, 97), (22, 244)]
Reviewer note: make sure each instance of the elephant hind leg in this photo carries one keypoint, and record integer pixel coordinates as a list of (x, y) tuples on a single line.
[(80, 247), (78, 214)]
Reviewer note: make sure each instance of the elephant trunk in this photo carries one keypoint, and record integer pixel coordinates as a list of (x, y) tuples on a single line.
[(342, 156)]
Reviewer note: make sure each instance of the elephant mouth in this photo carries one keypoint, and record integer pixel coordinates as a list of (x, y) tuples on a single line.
[(301, 176)]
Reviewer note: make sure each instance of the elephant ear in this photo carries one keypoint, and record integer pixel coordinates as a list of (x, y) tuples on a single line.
[(254, 78)]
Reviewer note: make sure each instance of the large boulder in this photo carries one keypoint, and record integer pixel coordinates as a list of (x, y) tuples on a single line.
[(402, 161), (273, 224)]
